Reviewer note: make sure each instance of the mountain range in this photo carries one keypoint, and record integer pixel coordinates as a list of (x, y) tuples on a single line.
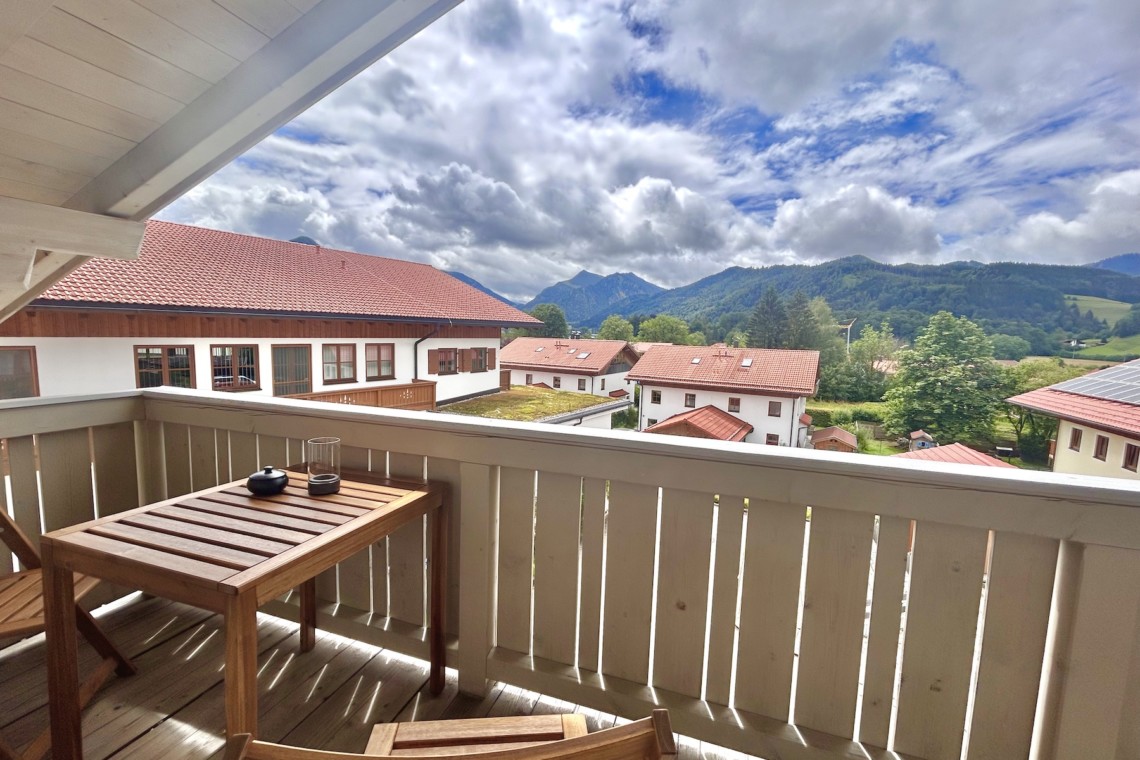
[(588, 298), (1126, 263)]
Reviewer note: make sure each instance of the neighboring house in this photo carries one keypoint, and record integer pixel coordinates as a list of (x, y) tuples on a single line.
[(1098, 415), (227, 312), (955, 453), (706, 422), (766, 389), (570, 364), (834, 438), (920, 439)]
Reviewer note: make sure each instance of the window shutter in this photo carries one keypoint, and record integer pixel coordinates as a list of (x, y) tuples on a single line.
[(490, 358), (433, 361), (464, 359)]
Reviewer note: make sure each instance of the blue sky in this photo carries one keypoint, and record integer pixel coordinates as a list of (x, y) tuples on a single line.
[(520, 142)]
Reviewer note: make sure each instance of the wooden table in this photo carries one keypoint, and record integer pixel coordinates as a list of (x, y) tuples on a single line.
[(229, 552)]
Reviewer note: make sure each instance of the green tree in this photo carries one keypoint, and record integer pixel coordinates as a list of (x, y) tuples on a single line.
[(1010, 346), (830, 346), (862, 374), (1031, 430), (664, 329), (948, 383), (803, 330), (616, 327), (553, 321), (697, 339), (768, 326)]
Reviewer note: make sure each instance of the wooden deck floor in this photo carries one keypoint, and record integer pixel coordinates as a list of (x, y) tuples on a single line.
[(327, 699)]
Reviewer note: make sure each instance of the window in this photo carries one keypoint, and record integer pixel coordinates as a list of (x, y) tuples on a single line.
[(603, 383), (772, 439), (557, 382), (292, 370), (164, 365), (655, 397), (18, 373), (1131, 456), (478, 359), (339, 363), (1101, 451), (379, 361), (733, 404), (1075, 439), (581, 383), (529, 379), (775, 408), (651, 422), (234, 368), (690, 400), (448, 361)]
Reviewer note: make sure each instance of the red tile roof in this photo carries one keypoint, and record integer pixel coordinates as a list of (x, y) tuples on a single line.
[(780, 371), (835, 433), (194, 267), (562, 353), (955, 453), (705, 422), (619, 393), (1115, 416)]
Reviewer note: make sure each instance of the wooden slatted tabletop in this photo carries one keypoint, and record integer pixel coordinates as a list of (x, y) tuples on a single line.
[(228, 551)]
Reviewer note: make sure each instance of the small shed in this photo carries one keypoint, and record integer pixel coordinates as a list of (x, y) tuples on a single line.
[(920, 439), (834, 439)]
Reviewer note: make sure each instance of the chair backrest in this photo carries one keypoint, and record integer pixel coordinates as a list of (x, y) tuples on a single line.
[(650, 737), (18, 543)]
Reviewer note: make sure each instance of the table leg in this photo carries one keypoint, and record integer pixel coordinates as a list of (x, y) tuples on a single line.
[(241, 664), (437, 651), (62, 659), (308, 614)]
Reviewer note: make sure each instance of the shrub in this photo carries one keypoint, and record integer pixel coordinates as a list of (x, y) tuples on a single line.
[(866, 414), (820, 418)]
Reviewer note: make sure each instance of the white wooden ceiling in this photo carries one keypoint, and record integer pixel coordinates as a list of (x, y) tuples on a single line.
[(116, 107)]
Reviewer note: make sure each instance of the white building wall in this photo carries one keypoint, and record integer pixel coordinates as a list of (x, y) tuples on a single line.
[(600, 421), (67, 366), (753, 410), (1083, 462), (599, 385)]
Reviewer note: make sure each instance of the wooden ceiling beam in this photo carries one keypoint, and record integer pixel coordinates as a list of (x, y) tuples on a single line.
[(38, 243)]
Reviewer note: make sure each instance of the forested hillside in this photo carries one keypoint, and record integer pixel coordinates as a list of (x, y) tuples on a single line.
[(587, 293), (1018, 299)]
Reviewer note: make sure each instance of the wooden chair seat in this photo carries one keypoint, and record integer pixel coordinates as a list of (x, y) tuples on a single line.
[(22, 614), (22, 601), (534, 737)]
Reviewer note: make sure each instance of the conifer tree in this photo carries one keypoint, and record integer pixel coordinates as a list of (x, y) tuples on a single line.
[(768, 325)]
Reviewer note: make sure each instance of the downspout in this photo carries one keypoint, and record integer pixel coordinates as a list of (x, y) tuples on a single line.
[(792, 427), (416, 354)]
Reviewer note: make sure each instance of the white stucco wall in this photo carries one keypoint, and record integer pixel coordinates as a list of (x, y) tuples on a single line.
[(68, 366), (599, 385), (1083, 462), (753, 410), (600, 421)]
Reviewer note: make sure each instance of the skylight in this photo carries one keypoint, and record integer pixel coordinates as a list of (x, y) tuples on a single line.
[(696, 360), (584, 355), (746, 361), (539, 349)]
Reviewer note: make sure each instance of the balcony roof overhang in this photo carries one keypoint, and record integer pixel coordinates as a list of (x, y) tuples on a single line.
[(109, 111)]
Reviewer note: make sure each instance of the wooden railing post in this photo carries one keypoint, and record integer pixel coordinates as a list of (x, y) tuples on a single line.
[(478, 531)]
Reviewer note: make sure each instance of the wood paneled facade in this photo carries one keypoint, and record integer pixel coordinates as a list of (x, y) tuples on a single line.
[(55, 322)]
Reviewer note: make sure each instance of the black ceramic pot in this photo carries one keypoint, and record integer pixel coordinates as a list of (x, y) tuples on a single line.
[(267, 482)]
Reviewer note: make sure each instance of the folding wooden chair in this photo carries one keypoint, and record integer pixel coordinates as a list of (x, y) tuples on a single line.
[(22, 614), (535, 737)]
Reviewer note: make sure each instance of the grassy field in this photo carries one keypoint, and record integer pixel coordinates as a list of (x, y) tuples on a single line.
[(525, 403), (1102, 308), (833, 406), (1090, 363), (1129, 346)]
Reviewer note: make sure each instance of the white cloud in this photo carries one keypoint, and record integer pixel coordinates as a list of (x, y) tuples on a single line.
[(520, 141)]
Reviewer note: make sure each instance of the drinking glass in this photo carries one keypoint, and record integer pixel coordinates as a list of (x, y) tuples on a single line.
[(323, 458)]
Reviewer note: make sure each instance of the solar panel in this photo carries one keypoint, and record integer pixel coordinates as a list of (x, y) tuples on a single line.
[(1119, 383)]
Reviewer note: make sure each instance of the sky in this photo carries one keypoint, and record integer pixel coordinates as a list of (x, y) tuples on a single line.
[(520, 142)]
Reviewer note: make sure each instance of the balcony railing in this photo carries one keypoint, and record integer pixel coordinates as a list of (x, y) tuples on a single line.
[(418, 395), (770, 598)]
